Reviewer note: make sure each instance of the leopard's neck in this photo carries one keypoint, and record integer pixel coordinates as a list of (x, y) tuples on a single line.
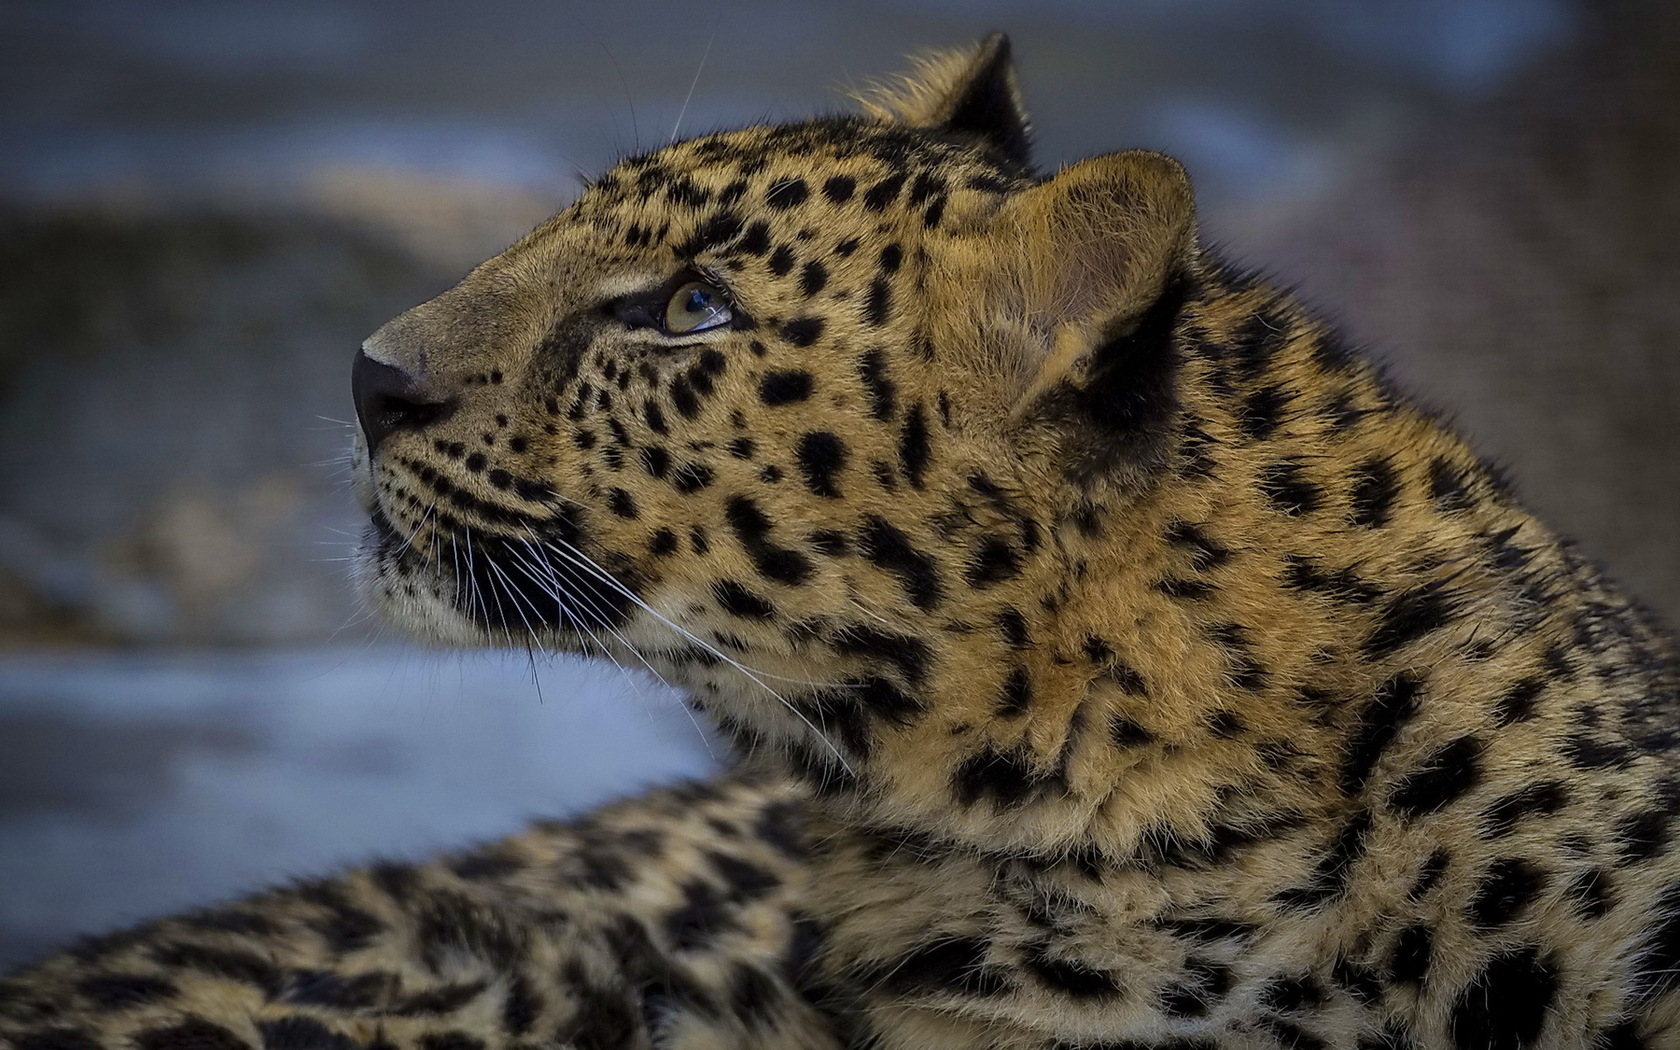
[(1218, 658)]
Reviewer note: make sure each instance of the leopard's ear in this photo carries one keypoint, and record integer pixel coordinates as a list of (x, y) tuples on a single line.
[(1097, 259), (969, 92)]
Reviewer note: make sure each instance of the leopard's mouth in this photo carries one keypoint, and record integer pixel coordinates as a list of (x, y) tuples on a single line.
[(456, 577)]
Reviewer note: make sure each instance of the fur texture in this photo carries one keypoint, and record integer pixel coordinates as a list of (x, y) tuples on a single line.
[(1149, 671)]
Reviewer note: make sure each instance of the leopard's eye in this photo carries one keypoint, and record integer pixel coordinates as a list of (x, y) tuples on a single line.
[(696, 307)]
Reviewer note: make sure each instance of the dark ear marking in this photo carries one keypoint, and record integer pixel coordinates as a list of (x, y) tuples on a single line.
[(1128, 400), (988, 105)]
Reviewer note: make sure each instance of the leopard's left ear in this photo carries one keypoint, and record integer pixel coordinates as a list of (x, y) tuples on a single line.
[(1098, 260), (969, 92)]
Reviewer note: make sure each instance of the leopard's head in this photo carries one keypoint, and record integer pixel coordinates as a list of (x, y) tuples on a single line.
[(805, 403)]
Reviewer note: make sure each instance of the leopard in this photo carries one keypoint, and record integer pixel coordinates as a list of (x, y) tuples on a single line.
[(1112, 655)]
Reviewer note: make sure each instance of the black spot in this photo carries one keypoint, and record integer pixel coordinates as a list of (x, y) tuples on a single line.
[(821, 456), (1262, 411), (883, 193), (663, 542), (1205, 552), (1375, 485), (1127, 733), (1502, 817), (1257, 342), (1409, 962), (691, 478), (1288, 994), (117, 991), (877, 305), (521, 1006), (1440, 779), (1643, 835), (786, 193), (1587, 752), (736, 600), (439, 999), (621, 503), (756, 240), (1179, 587), (1590, 891), (1657, 965), (1070, 977), (702, 916), (890, 549), (914, 452), (1509, 885), (908, 654), (339, 991), (655, 460), (885, 700), (1447, 487), (1013, 626), (1017, 693), (839, 188), (297, 1033), (714, 233), (803, 331), (1411, 615), (1288, 491), (229, 964), (195, 1034), (1504, 1007), (1360, 982), (879, 387), (813, 277), (1202, 983), (830, 542), (1225, 724), (683, 398), (1291, 1035), (752, 528), (1434, 867), (1304, 573), (1006, 777), (781, 261), (1394, 702), (741, 447), (1517, 703), (993, 561), (785, 388), (1329, 880), (950, 964)]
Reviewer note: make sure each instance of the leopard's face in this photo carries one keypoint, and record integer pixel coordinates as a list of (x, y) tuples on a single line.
[(701, 410), (778, 409)]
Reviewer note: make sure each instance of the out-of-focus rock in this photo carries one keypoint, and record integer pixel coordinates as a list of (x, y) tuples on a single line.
[(1519, 263), (174, 404)]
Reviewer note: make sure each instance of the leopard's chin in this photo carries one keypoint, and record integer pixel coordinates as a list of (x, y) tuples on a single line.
[(407, 598)]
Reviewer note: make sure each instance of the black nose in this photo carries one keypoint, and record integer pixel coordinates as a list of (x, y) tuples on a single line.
[(389, 399)]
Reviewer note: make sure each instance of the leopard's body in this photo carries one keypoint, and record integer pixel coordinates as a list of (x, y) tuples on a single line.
[(1115, 658)]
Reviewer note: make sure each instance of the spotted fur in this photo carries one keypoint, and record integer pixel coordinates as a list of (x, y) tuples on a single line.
[(1149, 671)]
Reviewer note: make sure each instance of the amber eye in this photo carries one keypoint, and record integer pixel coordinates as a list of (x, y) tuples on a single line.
[(696, 307)]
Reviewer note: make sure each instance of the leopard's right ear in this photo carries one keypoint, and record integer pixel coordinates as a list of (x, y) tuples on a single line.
[(970, 93)]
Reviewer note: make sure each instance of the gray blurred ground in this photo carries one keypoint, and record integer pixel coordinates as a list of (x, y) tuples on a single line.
[(204, 206)]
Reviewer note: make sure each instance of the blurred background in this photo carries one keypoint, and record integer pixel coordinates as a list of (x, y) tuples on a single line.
[(206, 204)]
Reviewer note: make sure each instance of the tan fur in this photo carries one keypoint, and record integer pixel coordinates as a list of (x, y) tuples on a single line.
[(1150, 672)]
